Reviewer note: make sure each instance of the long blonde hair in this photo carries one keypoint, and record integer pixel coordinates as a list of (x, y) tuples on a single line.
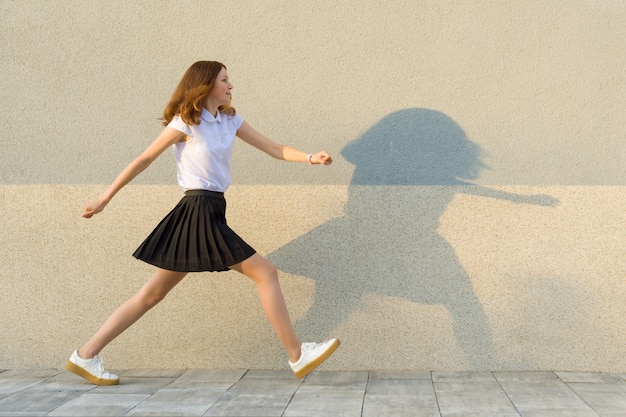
[(189, 97)]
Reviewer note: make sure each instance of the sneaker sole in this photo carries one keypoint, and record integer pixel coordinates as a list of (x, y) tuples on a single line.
[(72, 367), (317, 362)]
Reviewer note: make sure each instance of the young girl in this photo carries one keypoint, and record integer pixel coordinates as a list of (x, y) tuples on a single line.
[(200, 127)]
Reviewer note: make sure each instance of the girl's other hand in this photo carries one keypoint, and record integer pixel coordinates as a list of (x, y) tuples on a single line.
[(93, 207), (321, 158)]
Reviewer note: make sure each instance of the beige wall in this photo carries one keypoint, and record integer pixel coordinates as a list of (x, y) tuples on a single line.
[(474, 218)]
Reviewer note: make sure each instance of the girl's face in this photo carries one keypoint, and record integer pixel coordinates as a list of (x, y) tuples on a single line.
[(220, 94)]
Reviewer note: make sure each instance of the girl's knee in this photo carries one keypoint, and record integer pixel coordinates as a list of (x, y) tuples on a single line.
[(150, 297), (155, 290), (262, 271), (270, 268)]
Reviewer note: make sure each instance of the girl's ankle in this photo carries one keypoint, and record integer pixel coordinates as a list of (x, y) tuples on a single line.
[(83, 357)]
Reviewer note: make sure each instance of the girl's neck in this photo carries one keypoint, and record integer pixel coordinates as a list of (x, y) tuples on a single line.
[(212, 110), (211, 107)]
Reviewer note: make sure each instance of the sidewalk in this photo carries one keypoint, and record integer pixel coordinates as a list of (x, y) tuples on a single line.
[(333, 394)]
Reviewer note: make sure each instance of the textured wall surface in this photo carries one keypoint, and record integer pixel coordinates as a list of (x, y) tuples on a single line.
[(473, 218)]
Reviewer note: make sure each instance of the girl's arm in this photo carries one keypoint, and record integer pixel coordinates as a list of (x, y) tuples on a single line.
[(278, 151), (165, 139)]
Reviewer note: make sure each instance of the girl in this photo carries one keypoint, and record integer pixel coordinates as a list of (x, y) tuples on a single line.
[(200, 127)]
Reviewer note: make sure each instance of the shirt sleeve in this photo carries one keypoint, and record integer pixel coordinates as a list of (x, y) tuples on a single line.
[(178, 124), (237, 121)]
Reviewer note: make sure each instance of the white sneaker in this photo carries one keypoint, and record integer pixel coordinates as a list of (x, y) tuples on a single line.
[(91, 369), (312, 356)]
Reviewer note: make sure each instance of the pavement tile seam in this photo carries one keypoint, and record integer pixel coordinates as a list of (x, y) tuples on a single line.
[(432, 387), (462, 393), (589, 404), (605, 403), (508, 396), (543, 392), (291, 397)]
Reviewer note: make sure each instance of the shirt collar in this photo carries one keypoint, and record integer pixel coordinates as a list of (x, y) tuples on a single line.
[(208, 117)]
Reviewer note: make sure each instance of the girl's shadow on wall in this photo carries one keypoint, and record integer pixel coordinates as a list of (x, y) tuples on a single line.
[(387, 242)]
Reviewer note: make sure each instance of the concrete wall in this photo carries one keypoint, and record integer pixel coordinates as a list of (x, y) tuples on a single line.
[(474, 217)]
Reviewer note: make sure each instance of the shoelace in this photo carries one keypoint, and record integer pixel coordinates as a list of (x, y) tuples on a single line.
[(310, 346), (97, 366)]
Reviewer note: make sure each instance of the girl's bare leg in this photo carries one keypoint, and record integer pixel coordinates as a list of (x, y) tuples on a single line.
[(153, 291), (265, 275)]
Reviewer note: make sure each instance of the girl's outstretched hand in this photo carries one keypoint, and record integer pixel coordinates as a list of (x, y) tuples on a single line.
[(322, 158), (93, 207)]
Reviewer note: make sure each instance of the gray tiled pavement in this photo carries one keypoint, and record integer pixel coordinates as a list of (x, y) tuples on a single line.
[(230, 393)]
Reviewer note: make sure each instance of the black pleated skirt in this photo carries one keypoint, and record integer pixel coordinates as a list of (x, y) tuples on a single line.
[(194, 237)]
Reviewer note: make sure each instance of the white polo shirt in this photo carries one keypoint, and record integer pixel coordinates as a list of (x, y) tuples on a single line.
[(204, 161)]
